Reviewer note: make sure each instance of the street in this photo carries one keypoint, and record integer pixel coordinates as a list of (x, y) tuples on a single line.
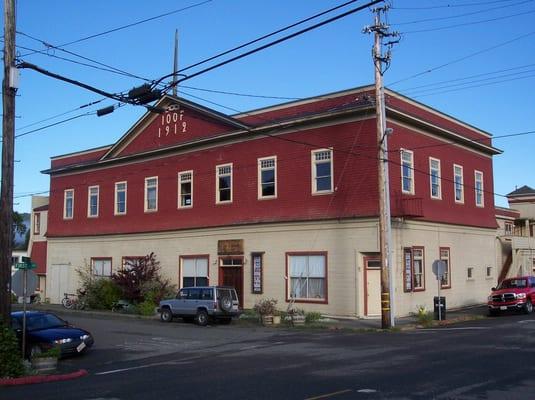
[(137, 359)]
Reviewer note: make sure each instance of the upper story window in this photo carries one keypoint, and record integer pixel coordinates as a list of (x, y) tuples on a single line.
[(480, 199), (68, 204), (322, 171), (224, 183), (407, 168), (509, 228), (120, 198), (185, 189), (458, 183), (151, 194), (434, 176), (92, 201), (267, 177), (37, 223)]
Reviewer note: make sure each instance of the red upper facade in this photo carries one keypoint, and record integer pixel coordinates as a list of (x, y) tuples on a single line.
[(319, 155)]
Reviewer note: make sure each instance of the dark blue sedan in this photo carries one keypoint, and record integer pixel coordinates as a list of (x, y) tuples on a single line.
[(45, 330)]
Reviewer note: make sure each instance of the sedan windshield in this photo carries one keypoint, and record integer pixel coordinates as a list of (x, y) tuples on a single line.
[(513, 283), (43, 321)]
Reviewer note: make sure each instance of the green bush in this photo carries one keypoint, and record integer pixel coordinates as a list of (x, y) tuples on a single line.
[(146, 307), (312, 316), (11, 364), (101, 294)]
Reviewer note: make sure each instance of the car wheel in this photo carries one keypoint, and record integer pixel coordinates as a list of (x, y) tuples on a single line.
[(201, 318), (528, 307), (225, 321), (225, 303), (166, 315)]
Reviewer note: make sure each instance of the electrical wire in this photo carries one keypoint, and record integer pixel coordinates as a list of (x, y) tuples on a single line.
[(453, 5), (240, 94)]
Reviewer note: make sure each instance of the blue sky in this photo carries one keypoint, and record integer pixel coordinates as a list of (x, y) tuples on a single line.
[(480, 38)]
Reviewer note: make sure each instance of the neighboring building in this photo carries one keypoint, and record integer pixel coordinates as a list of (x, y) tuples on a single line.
[(283, 202), (37, 247)]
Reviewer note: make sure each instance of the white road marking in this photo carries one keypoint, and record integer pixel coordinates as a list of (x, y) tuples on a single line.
[(526, 321), (114, 371), (466, 328), (367, 391)]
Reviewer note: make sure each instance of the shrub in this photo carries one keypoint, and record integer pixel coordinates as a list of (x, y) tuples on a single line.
[(11, 364), (312, 316), (146, 307), (423, 316), (101, 294), (54, 352), (266, 307)]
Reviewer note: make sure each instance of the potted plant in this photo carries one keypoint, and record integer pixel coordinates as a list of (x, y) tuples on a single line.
[(46, 361), (296, 316), (266, 308)]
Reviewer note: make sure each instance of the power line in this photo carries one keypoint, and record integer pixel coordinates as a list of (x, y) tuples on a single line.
[(453, 5), (240, 94)]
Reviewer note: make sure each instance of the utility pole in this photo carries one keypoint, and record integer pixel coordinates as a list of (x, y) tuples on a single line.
[(175, 65), (381, 63), (8, 147)]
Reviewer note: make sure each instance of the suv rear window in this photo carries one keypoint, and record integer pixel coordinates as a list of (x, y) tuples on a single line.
[(226, 292)]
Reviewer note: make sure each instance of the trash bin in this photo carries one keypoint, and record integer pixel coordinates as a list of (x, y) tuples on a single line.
[(439, 302)]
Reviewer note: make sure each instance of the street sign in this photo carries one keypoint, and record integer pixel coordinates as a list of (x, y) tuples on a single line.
[(439, 268), (17, 282), (30, 265)]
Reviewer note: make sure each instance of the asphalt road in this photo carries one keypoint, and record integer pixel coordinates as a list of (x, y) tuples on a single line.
[(145, 359)]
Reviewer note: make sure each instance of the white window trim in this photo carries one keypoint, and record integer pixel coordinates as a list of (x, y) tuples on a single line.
[(65, 204), (217, 183), (439, 197), (313, 169), (180, 188), (260, 169), (145, 202), (461, 201), (482, 204), (115, 212), (36, 223), (413, 183), (89, 215)]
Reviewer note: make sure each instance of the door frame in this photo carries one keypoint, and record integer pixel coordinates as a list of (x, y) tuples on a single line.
[(221, 270), (366, 259)]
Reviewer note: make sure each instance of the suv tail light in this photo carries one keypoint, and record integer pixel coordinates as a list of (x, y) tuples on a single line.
[(215, 305)]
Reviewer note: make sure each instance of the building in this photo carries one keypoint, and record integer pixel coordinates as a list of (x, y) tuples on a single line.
[(37, 246), (282, 202)]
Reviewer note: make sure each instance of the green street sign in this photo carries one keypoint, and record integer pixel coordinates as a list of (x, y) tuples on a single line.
[(30, 265)]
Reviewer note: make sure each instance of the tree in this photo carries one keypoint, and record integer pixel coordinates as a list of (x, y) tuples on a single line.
[(18, 225)]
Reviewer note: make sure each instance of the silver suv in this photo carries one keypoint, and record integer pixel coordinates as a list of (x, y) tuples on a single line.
[(201, 303)]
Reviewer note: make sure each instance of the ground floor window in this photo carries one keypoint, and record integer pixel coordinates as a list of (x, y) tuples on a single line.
[(101, 266), (307, 275), (446, 278), (194, 271), (413, 269), (131, 262)]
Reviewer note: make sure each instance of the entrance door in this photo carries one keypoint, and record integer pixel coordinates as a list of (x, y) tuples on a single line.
[(231, 274), (59, 282), (372, 290)]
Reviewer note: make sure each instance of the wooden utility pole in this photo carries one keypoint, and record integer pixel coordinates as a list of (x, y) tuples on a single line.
[(380, 30), (8, 147)]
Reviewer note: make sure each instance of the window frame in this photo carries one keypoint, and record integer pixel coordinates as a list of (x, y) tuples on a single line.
[(314, 163), (448, 269), (124, 260), (89, 195), (481, 191), (36, 223), (455, 175), (65, 214), (192, 257), (116, 193), (511, 230), (180, 194), (218, 189), (439, 185), (146, 197), (470, 273), (93, 259), (260, 181), (412, 189), (325, 299), (410, 250)]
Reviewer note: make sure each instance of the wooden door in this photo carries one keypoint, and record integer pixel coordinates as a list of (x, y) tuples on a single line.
[(372, 288), (233, 276)]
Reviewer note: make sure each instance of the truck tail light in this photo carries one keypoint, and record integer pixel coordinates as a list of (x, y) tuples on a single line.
[(215, 305)]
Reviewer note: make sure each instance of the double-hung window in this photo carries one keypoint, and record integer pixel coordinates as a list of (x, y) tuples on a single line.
[(151, 194), (101, 266), (224, 183), (267, 177), (194, 271), (68, 204), (307, 276), (92, 201), (407, 171), (413, 269), (120, 198), (458, 183), (478, 179), (434, 176), (37, 223), (322, 171), (185, 189), (446, 278)]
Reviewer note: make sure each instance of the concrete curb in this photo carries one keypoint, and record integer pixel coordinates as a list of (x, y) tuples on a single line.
[(28, 380)]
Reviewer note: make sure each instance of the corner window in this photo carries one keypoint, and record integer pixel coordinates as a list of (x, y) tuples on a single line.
[(101, 266), (470, 273), (407, 168), (194, 271), (37, 223), (120, 198), (224, 183), (185, 189), (322, 171), (307, 277), (68, 204), (458, 183), (151, 194), (509, 228), (478, 179), (445, 256), (92, 201), (413, 269), (434, 176), (267, 178)]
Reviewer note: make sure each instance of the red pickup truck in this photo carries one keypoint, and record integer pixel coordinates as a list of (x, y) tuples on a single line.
[(513, 294)]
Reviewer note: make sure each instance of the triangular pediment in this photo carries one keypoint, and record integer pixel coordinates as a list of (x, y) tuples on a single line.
[(182, 122)]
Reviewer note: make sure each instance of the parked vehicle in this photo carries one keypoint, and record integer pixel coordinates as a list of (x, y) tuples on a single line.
[(45, 330), (202, 303), (513, 294)]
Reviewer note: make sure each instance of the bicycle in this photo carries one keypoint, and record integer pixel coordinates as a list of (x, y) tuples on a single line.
[(72, 301)]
